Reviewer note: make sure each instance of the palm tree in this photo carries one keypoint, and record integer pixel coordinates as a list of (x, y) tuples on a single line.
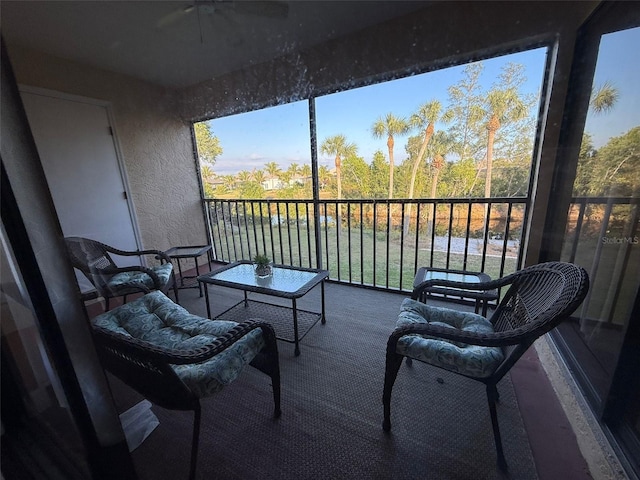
[(603, 98), (294, 168), (244, 176), (259, 176), (324, 176), (503, 105), (305, 171), (273, 171), (229, 182), (390, 126), (441, 144), (207, 173), (425, 118), (208, 176), (338, 147)]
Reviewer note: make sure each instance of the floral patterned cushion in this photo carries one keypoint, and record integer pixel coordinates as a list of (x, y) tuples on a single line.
[(154, 318), (459, 357), (125, 279)]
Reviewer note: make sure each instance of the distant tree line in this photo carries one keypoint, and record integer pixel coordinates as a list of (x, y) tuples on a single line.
[(480, 144)]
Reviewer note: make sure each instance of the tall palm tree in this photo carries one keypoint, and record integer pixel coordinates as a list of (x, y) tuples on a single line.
[(425, 118), (390, 126), (441, 144), (503, 106), (338, 147)]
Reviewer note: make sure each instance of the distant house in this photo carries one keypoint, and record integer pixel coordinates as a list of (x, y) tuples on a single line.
[(272, 183)]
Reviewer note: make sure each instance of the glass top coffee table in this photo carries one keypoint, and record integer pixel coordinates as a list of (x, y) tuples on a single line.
[(290, 324)]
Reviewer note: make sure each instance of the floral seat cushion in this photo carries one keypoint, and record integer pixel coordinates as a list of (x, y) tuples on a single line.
[(155, 319), (127, 279), (472, 360)]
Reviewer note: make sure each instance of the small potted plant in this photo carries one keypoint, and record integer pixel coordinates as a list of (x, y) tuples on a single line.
[(262, 265)]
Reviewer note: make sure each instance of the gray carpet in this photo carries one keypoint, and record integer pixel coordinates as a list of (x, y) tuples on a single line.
[(332, 410)]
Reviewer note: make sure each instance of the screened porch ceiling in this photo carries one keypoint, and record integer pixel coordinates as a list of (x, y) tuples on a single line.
[(183, 43)]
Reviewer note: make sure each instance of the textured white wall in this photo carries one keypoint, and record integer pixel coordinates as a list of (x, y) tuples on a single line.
[(155, 144)]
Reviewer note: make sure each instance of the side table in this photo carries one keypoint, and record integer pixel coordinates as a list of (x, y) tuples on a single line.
[(480, 296), (189, 281)]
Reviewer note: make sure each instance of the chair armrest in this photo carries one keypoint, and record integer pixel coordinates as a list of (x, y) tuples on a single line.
[(495, 339), (180, 357), (490, 285), (130, 253)]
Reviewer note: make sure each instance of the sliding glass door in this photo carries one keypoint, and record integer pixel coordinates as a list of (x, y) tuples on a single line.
[(599, 163)]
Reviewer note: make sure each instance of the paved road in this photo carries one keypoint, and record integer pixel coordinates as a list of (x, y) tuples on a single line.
[(475, 245)]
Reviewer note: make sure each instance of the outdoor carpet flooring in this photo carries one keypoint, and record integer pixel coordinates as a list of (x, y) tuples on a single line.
[(331, 423)]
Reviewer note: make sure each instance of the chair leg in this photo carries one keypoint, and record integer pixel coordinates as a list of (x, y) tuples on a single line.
[(394, 361), (175, 292), (274, 373), (175, 288), (106, 304), (492, 396), (195, 441), (267, 361)]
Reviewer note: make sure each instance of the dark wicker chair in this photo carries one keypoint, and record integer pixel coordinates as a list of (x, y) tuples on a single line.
[(537, 299), (94, 259), (171, 375)]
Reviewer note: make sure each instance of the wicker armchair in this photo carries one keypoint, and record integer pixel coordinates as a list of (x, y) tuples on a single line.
[(174, 358), (94, 260), (537, 299)]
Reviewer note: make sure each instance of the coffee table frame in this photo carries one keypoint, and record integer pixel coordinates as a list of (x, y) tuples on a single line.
[(275, 314)]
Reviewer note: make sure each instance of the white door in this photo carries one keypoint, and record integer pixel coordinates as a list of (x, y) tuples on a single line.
[(77, 149)]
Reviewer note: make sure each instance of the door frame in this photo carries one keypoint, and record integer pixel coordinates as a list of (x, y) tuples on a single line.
[(609, 405), (116, 144)]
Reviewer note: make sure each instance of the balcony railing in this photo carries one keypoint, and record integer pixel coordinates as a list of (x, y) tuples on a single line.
[(373, 243)]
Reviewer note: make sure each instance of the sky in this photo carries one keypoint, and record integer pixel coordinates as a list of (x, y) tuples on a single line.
[(619, 63), (281, 134)]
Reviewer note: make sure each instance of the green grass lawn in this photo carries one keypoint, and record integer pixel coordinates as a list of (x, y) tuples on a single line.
[(353, 257)]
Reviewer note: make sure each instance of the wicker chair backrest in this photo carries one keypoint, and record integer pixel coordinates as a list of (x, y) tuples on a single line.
[(542, 295), (91, 258), (538, 299)]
